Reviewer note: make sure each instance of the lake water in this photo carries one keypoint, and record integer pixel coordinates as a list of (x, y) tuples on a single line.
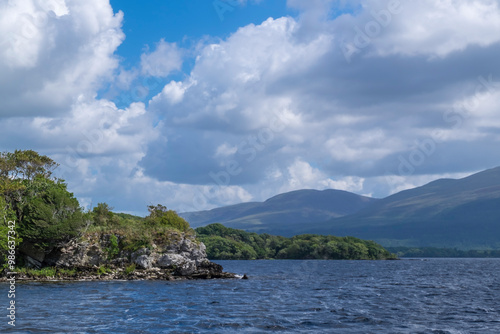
[(407, 296)]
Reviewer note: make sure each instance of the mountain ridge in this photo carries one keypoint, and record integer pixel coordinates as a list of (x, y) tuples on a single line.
[(462, 213), (291, 208)]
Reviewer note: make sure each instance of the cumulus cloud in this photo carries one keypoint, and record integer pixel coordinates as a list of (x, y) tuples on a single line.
[(366, 96), (227, 100), (438, 28), (354, 116), (96, 144), (165, 59), (425, 28), (53, 52), (173, 92), (301, 175)]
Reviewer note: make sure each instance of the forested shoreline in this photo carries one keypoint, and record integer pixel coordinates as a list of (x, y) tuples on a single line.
[(443, 252), (225, 243)]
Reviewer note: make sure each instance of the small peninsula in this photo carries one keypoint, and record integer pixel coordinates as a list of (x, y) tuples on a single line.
[(46, 235)]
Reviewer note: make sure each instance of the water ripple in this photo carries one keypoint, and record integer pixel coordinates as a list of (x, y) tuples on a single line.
[(432, 296)]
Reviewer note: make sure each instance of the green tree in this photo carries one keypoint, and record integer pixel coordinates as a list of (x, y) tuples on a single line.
[(25, 165), (102, 215), (113, 249), (227, 243), (44, 210), (160, 216), (50, 214)]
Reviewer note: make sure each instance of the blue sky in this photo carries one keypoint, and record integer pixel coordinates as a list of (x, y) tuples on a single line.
[(147, 22), (185, 23), (169, 102)]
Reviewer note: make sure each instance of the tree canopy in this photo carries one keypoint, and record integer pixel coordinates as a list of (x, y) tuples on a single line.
[(159, 215), (225, 243), (44, 211)]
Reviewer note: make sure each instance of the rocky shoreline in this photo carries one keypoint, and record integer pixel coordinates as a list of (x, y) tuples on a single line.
[(100, 258), (120, 274)]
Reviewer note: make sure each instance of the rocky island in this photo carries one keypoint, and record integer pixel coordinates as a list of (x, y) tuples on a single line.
[(47, 235), (182, 258)]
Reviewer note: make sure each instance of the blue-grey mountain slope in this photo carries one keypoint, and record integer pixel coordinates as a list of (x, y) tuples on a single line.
[(463, 213), (283, 214)]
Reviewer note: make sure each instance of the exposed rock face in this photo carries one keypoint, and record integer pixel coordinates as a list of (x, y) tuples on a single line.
[(183, 256), (144, 262), (33, 256), (169, 260)]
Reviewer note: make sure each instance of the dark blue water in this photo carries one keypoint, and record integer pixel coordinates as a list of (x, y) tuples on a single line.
[(408, 296)]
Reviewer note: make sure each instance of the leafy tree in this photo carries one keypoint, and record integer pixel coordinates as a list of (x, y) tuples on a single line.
[(25, 165), (103, 216), (50, 214), (113, 249), (160, 216), (228, 249), (44, 210)]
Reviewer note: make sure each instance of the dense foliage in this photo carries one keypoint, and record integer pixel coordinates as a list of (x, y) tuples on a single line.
[(44, 211), (50, 213), (138, 232), (443, 252), (160, 216), (225, 243)]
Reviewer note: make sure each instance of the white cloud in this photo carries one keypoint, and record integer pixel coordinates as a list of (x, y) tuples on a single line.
[(226, 96), (278, 99), (352, 121), (165, 59), (301, 175), (55, 56), (430, 28), (173, 92), (442, 27), (399, 183), (355, 147), (125, 78), (226, 150), (53, 52), (94, 132)]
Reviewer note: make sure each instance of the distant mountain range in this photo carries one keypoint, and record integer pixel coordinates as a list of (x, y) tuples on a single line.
[(285, 213), (462, 213)]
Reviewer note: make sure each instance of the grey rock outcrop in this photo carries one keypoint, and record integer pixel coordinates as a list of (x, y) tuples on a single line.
[(143, 262), (181, 256), (170, 259)]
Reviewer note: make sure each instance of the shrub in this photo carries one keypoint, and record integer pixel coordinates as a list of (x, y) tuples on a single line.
[(113, 249), (160, 216), (103, 270), (130, 269)]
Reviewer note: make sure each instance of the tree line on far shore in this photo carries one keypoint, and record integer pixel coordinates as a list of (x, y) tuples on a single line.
[(225, 243)]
